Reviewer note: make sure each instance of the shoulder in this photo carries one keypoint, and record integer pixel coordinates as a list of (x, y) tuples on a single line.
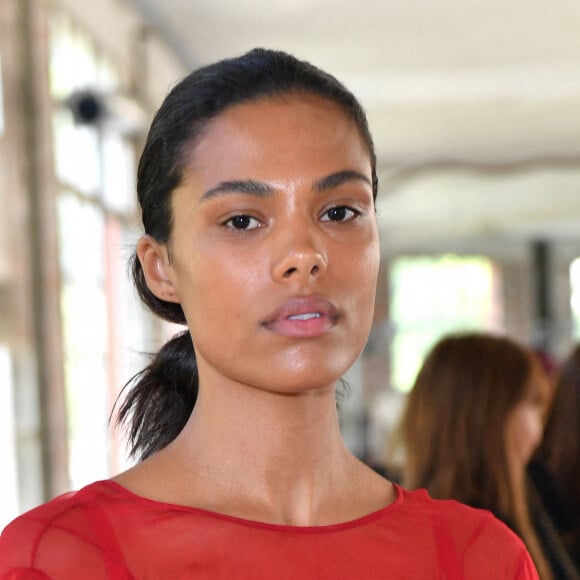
[(73, 525), (451, 514), (469, 538), (62, 512)]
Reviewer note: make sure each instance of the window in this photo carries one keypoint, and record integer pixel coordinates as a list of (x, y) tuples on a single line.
[(95, 168), (434, 295), (575, 298)]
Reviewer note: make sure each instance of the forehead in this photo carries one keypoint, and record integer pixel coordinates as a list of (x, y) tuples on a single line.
[(278, 135)]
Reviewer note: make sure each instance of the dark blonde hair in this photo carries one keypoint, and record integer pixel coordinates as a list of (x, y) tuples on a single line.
[(454, 425)]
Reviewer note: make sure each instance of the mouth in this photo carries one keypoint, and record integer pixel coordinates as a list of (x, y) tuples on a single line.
[(303, 318), (307, 316)]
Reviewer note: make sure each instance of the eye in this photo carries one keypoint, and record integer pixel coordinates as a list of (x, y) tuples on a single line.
[(242, 222), (339, 213)]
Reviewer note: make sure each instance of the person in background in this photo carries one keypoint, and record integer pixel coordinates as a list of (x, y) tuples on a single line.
[(257, 186), (471, 424), (555, 468)]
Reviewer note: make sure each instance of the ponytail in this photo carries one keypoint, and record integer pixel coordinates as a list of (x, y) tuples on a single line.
[(161, 397)]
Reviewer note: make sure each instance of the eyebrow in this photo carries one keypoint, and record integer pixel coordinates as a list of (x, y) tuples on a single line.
[(336, 179), (249, 186), (263, 189)]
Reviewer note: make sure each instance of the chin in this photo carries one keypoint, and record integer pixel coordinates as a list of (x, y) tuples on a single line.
[(314, 375)]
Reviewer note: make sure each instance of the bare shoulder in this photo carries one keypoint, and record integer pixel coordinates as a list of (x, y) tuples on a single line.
[(163, 478), (150, 478), (368, 491)]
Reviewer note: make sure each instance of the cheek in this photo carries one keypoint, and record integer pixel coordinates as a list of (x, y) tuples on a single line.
[(524, 432), (217, 303), (360, 266), (368, 277), (356, 275)]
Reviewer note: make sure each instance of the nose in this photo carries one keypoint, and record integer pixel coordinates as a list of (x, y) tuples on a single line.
[(299, 260)]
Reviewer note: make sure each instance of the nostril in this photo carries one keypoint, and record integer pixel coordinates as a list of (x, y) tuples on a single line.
[(314, 270)]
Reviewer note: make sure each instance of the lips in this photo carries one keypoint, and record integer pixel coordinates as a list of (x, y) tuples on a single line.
[(303, 318)]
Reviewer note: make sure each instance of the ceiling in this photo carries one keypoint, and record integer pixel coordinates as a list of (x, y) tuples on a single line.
[(474, 105)]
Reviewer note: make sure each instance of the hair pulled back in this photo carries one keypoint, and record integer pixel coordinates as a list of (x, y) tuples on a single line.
[(159, 399)]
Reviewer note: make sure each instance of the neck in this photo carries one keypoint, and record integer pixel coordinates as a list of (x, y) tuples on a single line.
[(262, 456), (280, 454)]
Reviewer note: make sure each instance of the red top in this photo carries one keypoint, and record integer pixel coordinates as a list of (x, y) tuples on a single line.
[(105, 531)]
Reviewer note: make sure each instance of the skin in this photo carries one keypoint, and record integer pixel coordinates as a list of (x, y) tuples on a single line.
[(525, 424), (274, 258)]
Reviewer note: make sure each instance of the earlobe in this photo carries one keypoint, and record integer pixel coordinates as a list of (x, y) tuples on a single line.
[(157, 269)]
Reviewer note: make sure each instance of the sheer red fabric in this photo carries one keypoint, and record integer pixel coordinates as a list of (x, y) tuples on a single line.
[(106, 532)]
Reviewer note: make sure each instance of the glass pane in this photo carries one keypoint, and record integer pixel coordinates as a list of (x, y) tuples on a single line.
[(575, 297), (431, 296), (75, 63), (9, 499), (118, 174), (76, 153), (81, 237), (84, 322), (85, 332)]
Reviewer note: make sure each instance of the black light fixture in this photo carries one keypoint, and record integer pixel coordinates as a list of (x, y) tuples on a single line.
[(114, 110)]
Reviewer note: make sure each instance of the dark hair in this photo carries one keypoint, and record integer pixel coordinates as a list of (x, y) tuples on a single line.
[(161, 397), (559, 451)]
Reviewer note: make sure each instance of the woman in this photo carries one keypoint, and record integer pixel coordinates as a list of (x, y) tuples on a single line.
[(257, 185), (473, 420), (555, 470)]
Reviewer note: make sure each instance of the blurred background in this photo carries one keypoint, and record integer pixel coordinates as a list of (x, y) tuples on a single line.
[(475, 110)]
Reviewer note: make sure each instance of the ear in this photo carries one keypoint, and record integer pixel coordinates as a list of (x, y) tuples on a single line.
[(157, 268)]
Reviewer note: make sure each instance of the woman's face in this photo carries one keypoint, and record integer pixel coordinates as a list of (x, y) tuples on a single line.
[(274, 251), (525, 425)]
